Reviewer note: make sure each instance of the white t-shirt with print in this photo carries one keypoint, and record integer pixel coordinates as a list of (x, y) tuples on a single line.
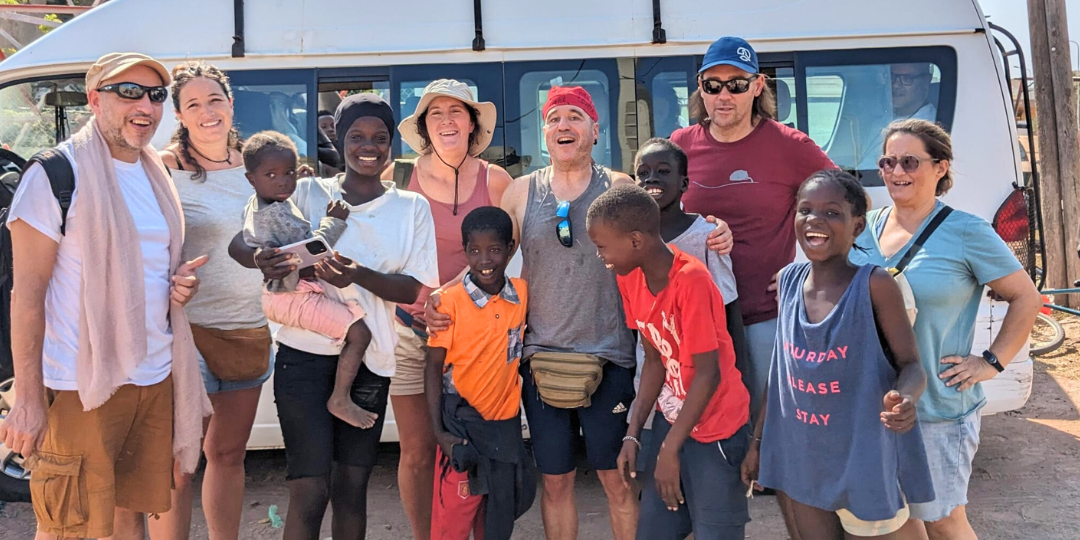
[(393, 234), (35, 204)]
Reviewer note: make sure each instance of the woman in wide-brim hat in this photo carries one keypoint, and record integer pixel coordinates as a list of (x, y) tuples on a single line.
[(449, 130)]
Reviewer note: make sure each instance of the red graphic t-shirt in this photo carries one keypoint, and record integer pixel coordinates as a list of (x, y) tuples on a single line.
[(751, 184), (685, 319)]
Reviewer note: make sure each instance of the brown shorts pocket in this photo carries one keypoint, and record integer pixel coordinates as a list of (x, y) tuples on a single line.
[(57, 492), (234, 355)]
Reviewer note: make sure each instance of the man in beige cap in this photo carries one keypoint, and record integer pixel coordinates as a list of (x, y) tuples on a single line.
[(106, 375)]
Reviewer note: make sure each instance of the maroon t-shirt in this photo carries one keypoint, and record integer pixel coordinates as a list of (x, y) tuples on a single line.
[(751, 184)]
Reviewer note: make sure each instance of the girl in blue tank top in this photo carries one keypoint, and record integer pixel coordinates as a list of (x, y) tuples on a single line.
[(837, 432)]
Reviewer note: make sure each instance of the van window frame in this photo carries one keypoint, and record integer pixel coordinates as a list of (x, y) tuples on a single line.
[(307, 77)]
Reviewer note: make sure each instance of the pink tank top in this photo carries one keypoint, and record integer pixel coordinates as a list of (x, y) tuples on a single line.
[(448, 231)]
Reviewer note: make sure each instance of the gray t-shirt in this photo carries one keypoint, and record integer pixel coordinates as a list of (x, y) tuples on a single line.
[(229, 295), (574, 301), (280, 224)]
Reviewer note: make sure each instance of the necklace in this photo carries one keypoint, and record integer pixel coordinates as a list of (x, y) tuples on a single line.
[(228, 155), (456, 170)]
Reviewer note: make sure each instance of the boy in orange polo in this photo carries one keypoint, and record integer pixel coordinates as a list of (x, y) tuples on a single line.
[(483, 480)]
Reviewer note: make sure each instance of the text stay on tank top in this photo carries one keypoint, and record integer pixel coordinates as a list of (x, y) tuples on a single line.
[(823, 442), (451, 254), (574, 301)]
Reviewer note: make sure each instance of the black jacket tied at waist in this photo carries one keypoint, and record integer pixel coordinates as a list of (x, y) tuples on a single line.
[(496, 463)]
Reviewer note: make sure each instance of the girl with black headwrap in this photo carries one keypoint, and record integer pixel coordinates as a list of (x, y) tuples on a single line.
[(386, 254)]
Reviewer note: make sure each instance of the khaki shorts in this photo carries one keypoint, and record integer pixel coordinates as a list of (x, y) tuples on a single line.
[(91, 462), (411, 356), (858, 527)]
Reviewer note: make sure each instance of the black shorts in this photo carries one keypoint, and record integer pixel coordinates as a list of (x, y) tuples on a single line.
[(314, 438), (554, 431)]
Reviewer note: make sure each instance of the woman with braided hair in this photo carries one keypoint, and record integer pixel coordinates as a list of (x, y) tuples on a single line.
[(208, 171)]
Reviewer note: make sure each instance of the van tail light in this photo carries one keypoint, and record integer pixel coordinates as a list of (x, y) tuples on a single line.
[(1012, 221), (1013, 224)]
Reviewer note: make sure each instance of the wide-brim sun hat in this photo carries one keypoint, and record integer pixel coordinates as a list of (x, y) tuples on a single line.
[(486, 115)]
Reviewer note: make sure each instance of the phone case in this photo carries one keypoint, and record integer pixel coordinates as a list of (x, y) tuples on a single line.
[(309, 251)]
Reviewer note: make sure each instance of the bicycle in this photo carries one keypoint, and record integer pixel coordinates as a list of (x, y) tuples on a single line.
[(1047, 335)]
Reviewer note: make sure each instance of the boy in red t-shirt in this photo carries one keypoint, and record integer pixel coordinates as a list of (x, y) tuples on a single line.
[(689, 374)]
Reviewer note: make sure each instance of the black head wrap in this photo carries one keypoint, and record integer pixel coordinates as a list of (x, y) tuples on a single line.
[(359, 106)]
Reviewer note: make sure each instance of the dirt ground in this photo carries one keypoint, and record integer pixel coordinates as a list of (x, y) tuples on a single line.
[(1025, 484)]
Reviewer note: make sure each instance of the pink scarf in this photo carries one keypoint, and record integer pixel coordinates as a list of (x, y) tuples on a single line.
[(112, 324)]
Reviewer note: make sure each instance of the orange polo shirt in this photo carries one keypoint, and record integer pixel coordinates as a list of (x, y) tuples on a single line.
[(483, 346)]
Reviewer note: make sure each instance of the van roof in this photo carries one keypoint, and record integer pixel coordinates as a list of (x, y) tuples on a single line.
[(328, 33)]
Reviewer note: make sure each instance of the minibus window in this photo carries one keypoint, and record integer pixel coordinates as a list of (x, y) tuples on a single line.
[(670, 96), (849, 106), (279, 107), (29, 113), (783, 84)]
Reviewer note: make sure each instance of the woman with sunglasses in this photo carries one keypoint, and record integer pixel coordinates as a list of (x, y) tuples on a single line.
[(947, 274), (207, 170), (449, 129)]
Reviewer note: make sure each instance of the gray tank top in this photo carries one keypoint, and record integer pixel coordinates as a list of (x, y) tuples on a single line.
[(574, 302)]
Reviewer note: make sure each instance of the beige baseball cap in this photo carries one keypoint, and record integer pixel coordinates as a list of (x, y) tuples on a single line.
[(113, 64)]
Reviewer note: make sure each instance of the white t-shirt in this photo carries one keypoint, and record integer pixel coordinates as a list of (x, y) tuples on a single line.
[(393, 234), (692, 242), (35, 204)]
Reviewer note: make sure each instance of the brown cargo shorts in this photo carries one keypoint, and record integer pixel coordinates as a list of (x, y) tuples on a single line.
[(91, 462)]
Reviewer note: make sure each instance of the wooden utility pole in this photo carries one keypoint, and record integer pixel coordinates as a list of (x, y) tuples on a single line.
[(1059, 142)]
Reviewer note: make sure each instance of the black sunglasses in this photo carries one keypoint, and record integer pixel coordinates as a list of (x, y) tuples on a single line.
[(135, 91), (735, 86), (910, 164), (562, 229)]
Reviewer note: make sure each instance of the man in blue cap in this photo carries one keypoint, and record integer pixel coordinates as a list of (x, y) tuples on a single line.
[(746, 168)]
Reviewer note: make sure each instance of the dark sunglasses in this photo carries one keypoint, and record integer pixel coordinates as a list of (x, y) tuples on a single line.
[(135, 92), (910, 164), (562, 230), (735, 86)]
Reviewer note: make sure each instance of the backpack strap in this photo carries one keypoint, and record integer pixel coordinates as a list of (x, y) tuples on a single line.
[(930, 228), (403, 169), (61, 179)]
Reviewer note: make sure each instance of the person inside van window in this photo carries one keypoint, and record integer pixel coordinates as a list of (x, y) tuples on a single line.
[(575, 317), (948, 275), (207, 171), (746, 168), (385, 256), (910, 85), (448, 129)]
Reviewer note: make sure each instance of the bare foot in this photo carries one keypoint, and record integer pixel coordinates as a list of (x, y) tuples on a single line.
[(351, 413)]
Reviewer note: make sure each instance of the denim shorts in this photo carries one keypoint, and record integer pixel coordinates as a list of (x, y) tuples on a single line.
[(214, 385), (950, 448), (760, 339), (715, 507)]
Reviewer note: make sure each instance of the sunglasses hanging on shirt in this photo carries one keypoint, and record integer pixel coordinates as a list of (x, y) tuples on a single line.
[(562, 229)]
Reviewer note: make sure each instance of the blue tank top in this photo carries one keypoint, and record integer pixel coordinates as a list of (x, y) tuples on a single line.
[(823, 442)]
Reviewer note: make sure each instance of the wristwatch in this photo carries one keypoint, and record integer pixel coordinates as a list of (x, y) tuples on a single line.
[(992, 359)]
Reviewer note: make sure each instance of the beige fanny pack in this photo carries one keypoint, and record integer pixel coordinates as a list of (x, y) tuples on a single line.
[(566, 380)]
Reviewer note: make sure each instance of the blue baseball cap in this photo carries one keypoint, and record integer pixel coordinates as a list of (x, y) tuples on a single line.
[(731, 51)]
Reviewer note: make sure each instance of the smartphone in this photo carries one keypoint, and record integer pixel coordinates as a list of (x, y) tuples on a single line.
[(309, 251)]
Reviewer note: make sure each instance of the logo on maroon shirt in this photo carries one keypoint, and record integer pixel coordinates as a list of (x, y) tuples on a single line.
[(740, 176)]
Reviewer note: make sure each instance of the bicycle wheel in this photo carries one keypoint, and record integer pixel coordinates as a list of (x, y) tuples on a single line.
[(1046, 336)]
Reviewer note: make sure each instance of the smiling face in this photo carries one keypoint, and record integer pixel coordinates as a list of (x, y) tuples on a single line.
[(570, 134), (488, 256), (206, 111), (824, 224), (620, 251), (915, 188), (449, 125), (274, 178), (127, 124), (658, 174), (726, 110), (367, 146)]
